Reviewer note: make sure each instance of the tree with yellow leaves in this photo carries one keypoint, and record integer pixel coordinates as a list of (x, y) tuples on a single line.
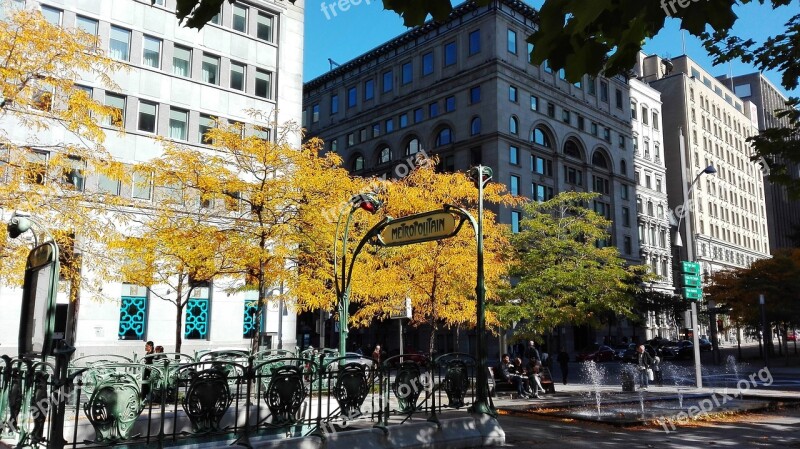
[(50, 132), (439, 276)]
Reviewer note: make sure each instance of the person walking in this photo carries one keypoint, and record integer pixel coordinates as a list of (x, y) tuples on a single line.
[(376, 355), (645, 364), (149, 350), (531, 352), (563, 363)]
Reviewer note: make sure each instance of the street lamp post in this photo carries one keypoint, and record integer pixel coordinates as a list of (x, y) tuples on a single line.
[(371, 204), (765, 330), (690, 253), (482, 175)]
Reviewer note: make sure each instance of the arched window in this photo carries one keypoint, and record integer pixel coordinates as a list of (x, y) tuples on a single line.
[(599, 160), (623, 167), (358, 163), (513, 125), (475, 126), (444, 137), (571, 149), (540, 137), (412, 147), (384, 155)]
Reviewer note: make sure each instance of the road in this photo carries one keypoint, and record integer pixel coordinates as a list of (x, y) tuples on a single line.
[(749, 431)]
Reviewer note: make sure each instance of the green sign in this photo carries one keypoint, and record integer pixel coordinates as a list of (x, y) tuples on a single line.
[(690, 267), (692, 293), (418, 228), (692, 280)]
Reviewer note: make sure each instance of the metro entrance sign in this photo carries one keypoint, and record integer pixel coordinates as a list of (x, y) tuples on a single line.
[(424, 227)]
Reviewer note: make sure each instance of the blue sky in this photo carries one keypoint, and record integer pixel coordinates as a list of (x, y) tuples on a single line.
[(343, 35)]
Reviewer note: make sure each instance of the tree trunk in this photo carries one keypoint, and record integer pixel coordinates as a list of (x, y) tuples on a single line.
[(178, 327)]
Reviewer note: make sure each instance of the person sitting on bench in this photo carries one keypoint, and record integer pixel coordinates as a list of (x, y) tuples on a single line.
[(508, 373)]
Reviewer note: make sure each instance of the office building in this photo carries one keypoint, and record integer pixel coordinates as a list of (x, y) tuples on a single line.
[(783, 213), (465, 91), (248, 57)]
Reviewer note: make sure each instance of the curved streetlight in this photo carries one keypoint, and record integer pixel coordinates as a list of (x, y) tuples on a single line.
[(687, 207), (370, 203)]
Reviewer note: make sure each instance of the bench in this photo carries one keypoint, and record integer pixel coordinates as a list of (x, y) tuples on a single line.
[(546, 379), (495, 387)]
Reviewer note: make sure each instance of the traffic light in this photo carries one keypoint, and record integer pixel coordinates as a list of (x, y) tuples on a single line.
[(690, 281)]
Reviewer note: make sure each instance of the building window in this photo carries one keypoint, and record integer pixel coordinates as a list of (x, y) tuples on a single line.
[(475, 94), (178, 124), (389, 125), (412, 147), (607, 134), (352, 97), (120, 43), (433, 110), (603, 209), (182, 61), (604, 91), (514, 185), (450, 54), (239, 18), (264, 26), (513, 155), (475, 126), (540, 137), (593, 128), (512, 41), (132, 313), (198, 314), (237, 75), (513, 125), (625, 195), (444, 137), (263, 84), (117, 102), (512, 94), (655, 119), (315, 113), (534, 103), (562, 74), (52, 15), (210, 69), (474, 42), (427, 63), (450, 104), (369, 90), (621, 140), (515, 219), (142, 187), (633, 110), (551, 110), (618, 98), (250, 320), (151, 52), (385, 155), (387, 81), (358, 163), (601, 185), (565, 116), (626, 245), (87, 25), (591, 86), (147, 116), (418, 115), (108, 185), (541, 165), (581, 123), (626, 217), (541, 193), (403, 120), (573, 176), (645, 118), (206, 124), (408, 73)]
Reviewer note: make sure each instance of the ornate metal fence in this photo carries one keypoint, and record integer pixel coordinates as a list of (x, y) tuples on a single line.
[(223, 395)]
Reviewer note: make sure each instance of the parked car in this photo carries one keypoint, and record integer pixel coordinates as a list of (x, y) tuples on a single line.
[(620, 349), (598, 353), (683, 349), (791, 336), (631, 356), (705, 344)]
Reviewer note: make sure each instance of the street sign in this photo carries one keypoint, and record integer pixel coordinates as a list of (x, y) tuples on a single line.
[(692, 293), (401, 311), (692, 280), (690, 267), (435, 225)]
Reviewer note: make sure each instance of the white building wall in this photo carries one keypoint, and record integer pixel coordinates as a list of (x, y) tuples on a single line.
[(98, 314)]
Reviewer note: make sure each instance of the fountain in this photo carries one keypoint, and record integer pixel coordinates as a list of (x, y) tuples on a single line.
[(595, 375)]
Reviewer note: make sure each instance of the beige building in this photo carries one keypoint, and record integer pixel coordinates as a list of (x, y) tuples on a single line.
[(706, 124)]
